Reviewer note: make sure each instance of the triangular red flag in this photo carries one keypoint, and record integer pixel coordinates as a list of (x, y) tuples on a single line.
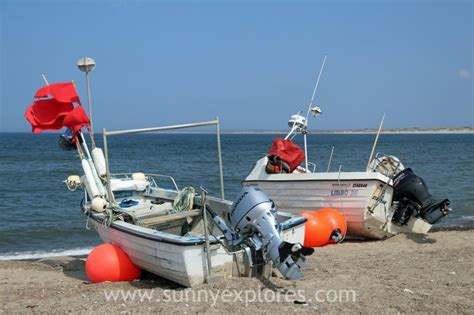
[(62, 92)]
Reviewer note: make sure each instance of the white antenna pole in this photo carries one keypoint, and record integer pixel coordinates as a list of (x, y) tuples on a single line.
[(305, 142), (375, 141), (315, 88), (45, 80), (307, 113), (330, 159)]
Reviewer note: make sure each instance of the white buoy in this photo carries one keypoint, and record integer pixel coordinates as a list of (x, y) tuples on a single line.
[(90, 179), (73, 182), (99, 204), (139, 177), (99, 161)]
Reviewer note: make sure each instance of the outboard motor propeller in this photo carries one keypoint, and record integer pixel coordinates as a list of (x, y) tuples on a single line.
[(254, 226), (414, 199)]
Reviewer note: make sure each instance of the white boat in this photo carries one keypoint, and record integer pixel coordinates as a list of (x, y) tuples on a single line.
[(187, 244), (383, 200), (156, 241), (365, 198), (172, 232)]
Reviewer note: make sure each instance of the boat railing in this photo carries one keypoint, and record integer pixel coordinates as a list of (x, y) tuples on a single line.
[(150, 177), (301, 169), (312, 165), (215, 123)]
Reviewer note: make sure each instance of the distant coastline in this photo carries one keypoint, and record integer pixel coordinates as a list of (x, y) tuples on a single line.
[(414, 130), (458, 130)]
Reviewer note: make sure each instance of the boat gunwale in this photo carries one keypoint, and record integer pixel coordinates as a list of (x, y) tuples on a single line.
[(245, 181), (291, 222), (152, 237)]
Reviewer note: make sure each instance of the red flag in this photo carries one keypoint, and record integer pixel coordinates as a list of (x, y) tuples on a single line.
[(64, 92), (47, 114), (56, 112), (75, 119)]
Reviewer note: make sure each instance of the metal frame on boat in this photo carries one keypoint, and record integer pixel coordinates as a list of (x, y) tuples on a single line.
[(215, 122), (152, 232)]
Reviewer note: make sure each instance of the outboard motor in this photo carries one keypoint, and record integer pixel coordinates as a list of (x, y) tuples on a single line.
[(66, 141), (414, 199), (254, 226)]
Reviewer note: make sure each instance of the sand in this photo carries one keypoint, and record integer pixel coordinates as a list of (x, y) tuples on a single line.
[(404, 274)]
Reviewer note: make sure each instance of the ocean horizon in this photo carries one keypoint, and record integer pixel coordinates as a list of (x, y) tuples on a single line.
[(405, 130)]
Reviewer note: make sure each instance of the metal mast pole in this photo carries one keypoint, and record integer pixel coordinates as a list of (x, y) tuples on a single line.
[(375, 141), (86, 65), (219, 156), (315, 88), (307, 113), (90, 107)]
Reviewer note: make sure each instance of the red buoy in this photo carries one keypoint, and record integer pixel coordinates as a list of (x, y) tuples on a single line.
[(338, 223), (108, 262), (317, 229)]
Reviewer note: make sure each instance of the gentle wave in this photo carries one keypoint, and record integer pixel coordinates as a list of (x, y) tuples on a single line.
[(42, 254), (465, 222)]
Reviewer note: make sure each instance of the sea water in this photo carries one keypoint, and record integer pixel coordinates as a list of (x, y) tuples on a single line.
[(40, 217)]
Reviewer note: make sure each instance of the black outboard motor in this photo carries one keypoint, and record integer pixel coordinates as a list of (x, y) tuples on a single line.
[(66, 140), (414, 199)]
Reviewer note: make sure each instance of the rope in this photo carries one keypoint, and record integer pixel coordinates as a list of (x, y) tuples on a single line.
[(184, 201), (115, 213)]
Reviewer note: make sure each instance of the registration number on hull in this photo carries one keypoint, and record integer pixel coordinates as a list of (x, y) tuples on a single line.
[(344, 192)]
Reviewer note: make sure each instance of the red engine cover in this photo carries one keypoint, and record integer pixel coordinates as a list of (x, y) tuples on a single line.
[(287, 151)]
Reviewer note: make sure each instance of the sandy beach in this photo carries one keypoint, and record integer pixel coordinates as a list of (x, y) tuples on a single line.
[(406, 273)]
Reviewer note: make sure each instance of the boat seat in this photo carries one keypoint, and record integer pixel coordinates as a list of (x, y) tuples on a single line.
[(171, 217), (149, 210), (128, 185)]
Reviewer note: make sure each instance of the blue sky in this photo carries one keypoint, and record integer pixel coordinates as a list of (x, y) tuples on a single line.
[(252, 63)]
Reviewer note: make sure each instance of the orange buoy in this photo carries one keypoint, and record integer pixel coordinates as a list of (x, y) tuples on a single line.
[(338, 223), (317, 229), (108, 262)]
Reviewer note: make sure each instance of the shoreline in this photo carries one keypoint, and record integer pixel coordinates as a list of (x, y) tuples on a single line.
[(403, 274), (465, 223)]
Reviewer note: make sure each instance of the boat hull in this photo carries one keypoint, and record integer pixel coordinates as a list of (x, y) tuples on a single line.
[(185, 264), (365, 198), (182, 259), (350, 197)]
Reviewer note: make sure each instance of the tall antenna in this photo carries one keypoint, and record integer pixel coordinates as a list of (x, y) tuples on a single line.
[(315, 110), (375, 141), (316, 87), (86, 65), (44, 79)]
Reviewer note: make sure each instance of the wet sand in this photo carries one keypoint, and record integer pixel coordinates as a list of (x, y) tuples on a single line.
[(404, 274)]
